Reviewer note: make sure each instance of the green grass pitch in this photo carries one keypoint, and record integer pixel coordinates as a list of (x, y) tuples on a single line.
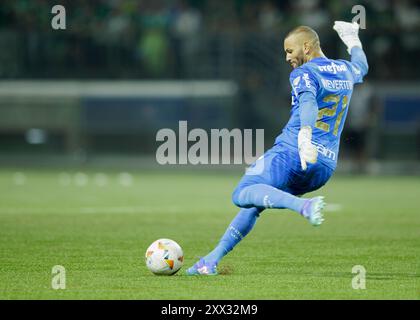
[(100, 234)]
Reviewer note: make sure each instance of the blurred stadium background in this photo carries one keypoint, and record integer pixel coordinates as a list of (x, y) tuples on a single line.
[(80, 185), (102, 88)]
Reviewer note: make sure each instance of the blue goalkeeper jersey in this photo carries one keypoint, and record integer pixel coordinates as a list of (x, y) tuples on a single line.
[(331, 82)]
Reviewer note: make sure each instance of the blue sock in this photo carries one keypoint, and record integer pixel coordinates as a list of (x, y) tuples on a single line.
[(266, 196), (240, 226)]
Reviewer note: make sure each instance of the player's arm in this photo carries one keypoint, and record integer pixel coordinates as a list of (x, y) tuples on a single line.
[(305, 87), (349, 34), (308, 112), (358, 58)]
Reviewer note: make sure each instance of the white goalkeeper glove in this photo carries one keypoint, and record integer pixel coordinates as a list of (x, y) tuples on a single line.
[(308, 153), (349, 34)]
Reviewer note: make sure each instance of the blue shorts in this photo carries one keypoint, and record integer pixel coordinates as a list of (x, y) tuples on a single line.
[(280, 167)]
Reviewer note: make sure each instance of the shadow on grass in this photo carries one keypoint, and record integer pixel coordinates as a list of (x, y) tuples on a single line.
[(225, 270)]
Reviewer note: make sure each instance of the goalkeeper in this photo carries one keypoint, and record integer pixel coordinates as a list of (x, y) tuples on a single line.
[(305, 154)]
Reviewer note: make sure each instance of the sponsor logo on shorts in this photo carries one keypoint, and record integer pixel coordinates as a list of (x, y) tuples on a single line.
[(267, 202)]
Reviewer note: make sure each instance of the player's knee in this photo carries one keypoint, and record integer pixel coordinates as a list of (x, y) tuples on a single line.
[(235, 196), (238, 198)]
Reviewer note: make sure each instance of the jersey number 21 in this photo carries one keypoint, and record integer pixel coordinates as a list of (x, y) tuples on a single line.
[(331, 112)]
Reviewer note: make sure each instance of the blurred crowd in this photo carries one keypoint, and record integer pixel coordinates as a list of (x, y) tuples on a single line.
[(193, 38), (240, 40)]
